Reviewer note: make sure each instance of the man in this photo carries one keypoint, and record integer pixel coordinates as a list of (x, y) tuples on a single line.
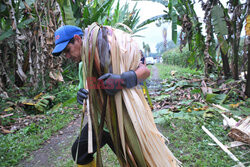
[(68, 40)]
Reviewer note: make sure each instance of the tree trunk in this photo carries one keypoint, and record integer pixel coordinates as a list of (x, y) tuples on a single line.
[(235, 56), (241, 132), (248, 70), (226, 67)]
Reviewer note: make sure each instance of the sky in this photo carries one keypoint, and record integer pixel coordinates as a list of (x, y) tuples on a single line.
[(153, 34)]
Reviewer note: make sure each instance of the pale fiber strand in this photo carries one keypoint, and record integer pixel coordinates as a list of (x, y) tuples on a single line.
[(154, 149), (118, 96)]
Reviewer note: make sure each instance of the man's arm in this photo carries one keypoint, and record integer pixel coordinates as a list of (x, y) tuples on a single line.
[(114, 82)]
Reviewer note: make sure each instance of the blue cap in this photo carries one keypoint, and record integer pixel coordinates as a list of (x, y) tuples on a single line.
[(62, 37)]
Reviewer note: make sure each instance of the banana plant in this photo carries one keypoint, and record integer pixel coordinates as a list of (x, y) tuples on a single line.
[(81, 13), (95, 12), (182, 13), (221, 30), (130, 18), (67, 13), (228, 23), (124, 19), (22, 20)]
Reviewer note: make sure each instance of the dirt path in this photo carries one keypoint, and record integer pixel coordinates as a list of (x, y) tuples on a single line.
[(154, 82), (57, 148), (154, 73)]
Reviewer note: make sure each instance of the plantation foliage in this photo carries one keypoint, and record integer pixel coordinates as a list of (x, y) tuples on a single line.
[(223, 23), (176, 57), (27, 39)]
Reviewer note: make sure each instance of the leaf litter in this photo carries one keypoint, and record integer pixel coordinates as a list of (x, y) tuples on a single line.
[(189, 97), (200, 99), (26, 112)]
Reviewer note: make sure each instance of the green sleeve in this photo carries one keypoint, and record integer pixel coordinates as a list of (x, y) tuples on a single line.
[(80, 76)]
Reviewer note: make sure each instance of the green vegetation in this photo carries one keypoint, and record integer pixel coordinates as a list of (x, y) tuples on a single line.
[(193, 147), (181, 109), (176, 57), (165, 71), (38, 127), (15, 147)]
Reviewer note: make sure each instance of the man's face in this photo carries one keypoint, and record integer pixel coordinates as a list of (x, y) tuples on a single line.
[(73, 50)]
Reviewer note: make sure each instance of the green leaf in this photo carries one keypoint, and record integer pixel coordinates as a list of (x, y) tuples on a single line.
[(186, 102), (10, 32), (210, 113), (180, 9), (216, 98), (25, 22), (67, 13), (174, 27), (195, 91), (170, 89), (101, 10), (218, 20), (56, 107), (152, 19), (2, 7), (161, 97), (6, 34), (182, 115), (161, 120), (160, 113), (116, 14)]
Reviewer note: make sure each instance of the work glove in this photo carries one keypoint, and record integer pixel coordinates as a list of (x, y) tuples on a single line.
[(82, 94), (112, 83)]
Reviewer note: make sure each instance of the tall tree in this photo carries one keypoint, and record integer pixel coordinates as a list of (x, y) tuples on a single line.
[(146, 48), (238, 11)]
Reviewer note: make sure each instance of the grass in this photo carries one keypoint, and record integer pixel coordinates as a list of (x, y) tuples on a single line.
[(165, 71), (16, 146), (190, 144)]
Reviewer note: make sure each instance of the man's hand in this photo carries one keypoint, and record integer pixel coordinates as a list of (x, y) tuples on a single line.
[(82, 94), (114, 82), (142, 72)]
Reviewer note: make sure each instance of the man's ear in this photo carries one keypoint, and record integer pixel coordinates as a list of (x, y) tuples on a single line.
[(77, 38)]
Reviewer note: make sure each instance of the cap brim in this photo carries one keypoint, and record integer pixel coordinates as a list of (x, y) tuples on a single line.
[(59, 48)]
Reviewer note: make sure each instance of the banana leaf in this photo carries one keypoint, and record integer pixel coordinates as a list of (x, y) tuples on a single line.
[(128, 116), (218, 20), (67, 13)]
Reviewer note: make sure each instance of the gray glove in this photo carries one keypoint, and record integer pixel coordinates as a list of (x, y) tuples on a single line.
[(114, 82), (82, 94)]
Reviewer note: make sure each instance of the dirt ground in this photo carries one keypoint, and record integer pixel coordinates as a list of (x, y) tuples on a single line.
[(56, 148)]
